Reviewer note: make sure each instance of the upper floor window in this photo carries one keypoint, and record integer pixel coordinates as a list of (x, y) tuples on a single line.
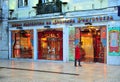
[(22, 3)]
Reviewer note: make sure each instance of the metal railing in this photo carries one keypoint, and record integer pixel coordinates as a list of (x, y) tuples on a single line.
[(47, 8)]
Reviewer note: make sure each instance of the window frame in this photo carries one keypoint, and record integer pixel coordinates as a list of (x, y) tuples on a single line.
[(22, 4)]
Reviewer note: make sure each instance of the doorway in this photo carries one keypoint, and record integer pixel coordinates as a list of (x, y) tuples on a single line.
[(93, 40), (50, 44)]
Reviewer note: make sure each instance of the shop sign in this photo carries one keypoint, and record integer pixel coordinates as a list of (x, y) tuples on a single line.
[(59, 21), (95, 19), (32, 23), (16, 25), (28, 24), (65, 21), (47, 22)]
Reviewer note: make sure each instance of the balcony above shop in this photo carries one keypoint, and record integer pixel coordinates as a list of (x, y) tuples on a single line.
[(49, 7)]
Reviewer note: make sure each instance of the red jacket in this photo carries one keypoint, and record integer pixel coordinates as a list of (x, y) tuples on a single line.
[(77, 52)]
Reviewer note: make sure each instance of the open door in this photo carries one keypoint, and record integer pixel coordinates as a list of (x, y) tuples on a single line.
[(94, 43)]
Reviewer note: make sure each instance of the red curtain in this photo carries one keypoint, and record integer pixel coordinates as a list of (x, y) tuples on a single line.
[(39, 45)]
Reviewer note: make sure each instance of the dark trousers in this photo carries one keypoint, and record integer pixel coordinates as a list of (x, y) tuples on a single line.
[(77, 60)]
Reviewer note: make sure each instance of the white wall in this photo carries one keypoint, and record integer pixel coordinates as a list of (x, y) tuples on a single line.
[(113, 2), (3, 31), (71, 6), (85, 4), (23, 12), (113, 60)]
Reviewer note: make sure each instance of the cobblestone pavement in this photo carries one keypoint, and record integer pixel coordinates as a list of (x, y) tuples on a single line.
[(42, 71)]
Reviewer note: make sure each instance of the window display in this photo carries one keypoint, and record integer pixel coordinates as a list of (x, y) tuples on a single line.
[(22, 44), (50, 45)]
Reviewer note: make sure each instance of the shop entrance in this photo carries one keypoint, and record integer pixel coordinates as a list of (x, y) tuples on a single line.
[(50, 45), (94, 43)]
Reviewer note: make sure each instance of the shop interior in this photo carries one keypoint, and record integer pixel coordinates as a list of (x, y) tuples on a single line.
[(93, 40)]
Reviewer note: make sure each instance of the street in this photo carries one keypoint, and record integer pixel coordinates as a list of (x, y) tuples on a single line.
[(46, 71)]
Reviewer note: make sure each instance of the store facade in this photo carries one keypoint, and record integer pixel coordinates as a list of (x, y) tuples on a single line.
[(40, 39), (55, 39), (99, 35)]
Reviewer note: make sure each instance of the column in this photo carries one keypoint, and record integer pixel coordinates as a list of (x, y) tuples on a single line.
[(35, 44), (10, 46), (65, 44)]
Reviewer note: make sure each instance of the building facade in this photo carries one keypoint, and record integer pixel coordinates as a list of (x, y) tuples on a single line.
[(4, 29), (50, 29)]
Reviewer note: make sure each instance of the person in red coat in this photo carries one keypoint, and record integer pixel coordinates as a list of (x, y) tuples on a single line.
[(77, 55)]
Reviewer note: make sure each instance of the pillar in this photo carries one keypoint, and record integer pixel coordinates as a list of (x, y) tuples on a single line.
[(65, 44), (35, 44)]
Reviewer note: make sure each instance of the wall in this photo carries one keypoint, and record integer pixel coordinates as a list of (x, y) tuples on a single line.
[(72, 5), (113, 57), (85, 4), (4, 31), (113, 2), (23, 12)]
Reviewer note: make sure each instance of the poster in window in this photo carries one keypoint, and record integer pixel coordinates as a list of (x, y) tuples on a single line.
[(114, 41)]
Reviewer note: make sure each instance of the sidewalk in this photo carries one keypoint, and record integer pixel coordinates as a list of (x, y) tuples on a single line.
[(37, 71)]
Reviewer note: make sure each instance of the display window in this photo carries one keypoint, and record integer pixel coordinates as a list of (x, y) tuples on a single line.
[(50, 44), (22, 44)]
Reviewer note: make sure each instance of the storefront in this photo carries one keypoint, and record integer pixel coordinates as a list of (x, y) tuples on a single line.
[(55, 39), (38, 40), (99, 36)]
